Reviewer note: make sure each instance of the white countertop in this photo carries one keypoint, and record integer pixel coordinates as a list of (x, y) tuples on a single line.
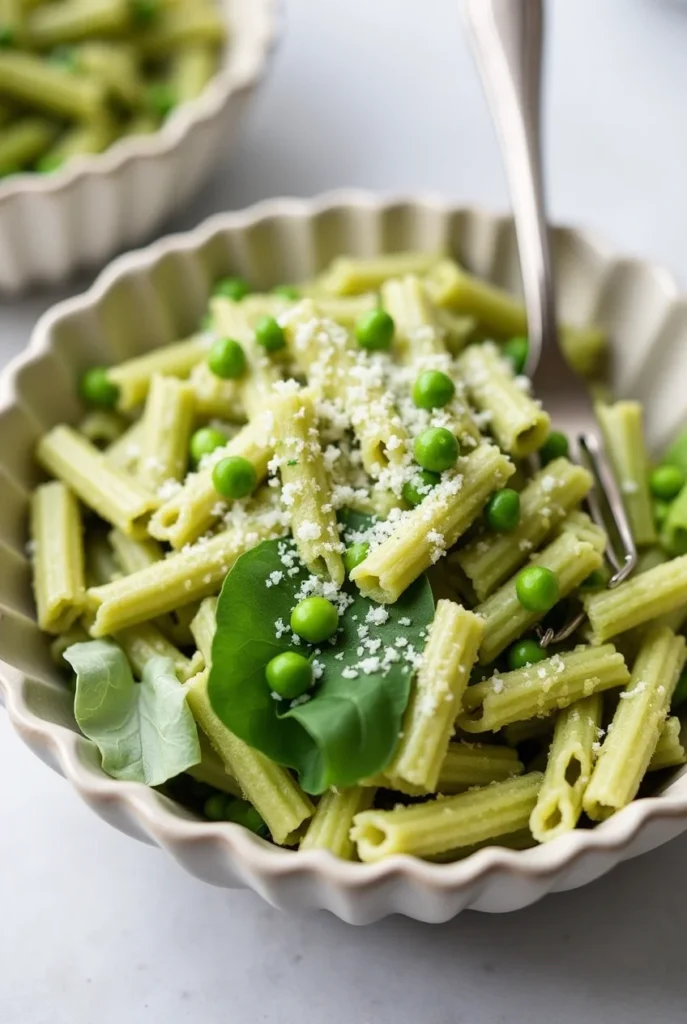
[(98, 929)]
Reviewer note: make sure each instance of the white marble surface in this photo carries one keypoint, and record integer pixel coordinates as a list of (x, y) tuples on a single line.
[(97, 928)]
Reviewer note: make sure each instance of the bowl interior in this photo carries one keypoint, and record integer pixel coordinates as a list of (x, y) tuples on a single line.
[(157, 296)]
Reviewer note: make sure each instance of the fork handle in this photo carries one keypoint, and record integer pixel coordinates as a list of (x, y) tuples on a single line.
[(507, 43)]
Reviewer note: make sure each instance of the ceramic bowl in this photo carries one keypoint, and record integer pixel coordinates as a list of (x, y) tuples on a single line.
[(52, 225), (153, 297)]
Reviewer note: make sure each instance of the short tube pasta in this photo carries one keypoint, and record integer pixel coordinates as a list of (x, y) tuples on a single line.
[(276, 796), (476, 764), (167, 423), (111, 492), (435, 525), (632, 737), (502, 316), (193, 509), (330, 826), (452, 645), (134, 376), (347, 378), (670, 750), (539, 689), (48, 88), (517, 421), (58, 557), (269, 787), (177, 580), (143, 642), (490, 558), (417, 335), (568, 769), (637, 601), (447, 823), (350, 276), (622, 428), (305, 491), (570, 558)]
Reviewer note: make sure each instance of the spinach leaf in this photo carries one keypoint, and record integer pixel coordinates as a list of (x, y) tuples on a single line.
[(145, 732), (349, 727)]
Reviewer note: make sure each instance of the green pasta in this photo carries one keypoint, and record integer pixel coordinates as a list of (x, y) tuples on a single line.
[(568, 769), (110, 492), (501, 316), (623, 432), (670, 750), (569, 557), (179, 579), (77, 75), (450, 653), (58, 557), (167, 424), (632, 737), (540, 689), (433, 527), (348, 276), (330, 826), (447, 823), (22, 143), (545, 501), (639, 600), (517, 421)]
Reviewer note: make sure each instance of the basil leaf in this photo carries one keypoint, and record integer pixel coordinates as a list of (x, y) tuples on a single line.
[(349, 727), (144, 731)]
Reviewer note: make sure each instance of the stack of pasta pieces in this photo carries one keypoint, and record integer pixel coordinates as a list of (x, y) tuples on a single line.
[(76, 75), (305, 402)]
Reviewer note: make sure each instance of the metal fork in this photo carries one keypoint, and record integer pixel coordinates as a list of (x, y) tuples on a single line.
[(507, 41)]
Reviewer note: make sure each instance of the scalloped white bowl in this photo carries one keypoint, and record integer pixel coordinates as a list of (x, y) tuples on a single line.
[(52, 225), (152, 297)]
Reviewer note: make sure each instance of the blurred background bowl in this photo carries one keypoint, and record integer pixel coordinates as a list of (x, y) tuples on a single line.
[(79, 216)]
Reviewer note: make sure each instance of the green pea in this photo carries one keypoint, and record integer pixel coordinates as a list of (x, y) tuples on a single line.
[(287, 291), (240, 812), (374, 331), (416, 490), (355, 554), (516, 351), (144, 11), (6, 37), (433, 390), (502, 513), (595, 581), (204, 441), (289, 674), (97, 389), (215, 807), (233, 288), (666, 482), (65, 57), (227, 359), (436, 449), (234, 477), (536, 588), (161, 98), (269, 334), (679, 693), (525, 652), (661, 510), (555, 446), (49, 163), (315, 619)]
